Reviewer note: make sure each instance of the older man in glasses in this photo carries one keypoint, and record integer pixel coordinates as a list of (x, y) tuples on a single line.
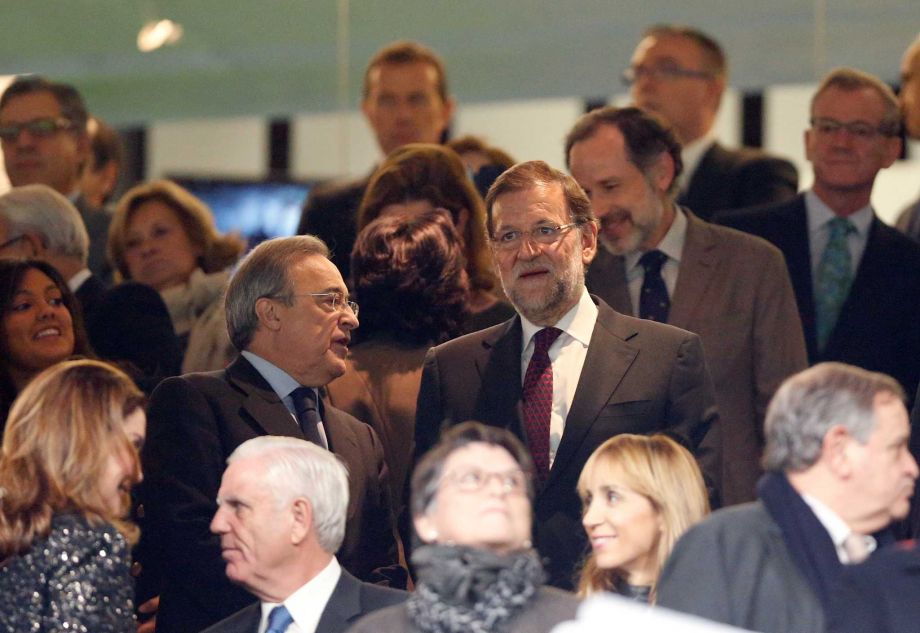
[(289, 314), (680, 73), (45, 141), (567, 372)]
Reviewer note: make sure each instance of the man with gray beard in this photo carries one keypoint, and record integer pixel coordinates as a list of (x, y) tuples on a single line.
[(567, 372)]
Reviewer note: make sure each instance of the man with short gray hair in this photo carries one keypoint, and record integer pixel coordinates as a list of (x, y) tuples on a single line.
[(838, 471), (289, 314), (282, 547)]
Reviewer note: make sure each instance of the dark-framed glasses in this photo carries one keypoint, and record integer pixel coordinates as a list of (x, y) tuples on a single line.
[(332, 301), (5, 245), (37, 127), (509, 240), (663, 72), (475, 479), (858, 129)]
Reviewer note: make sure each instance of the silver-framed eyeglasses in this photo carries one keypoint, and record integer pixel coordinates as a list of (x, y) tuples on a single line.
[(858, 129), (509, 240), (475, 479), (332, 301), (37, 127), (663, 72)]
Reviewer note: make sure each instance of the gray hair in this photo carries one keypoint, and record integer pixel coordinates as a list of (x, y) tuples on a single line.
[(264, 273), (41, 210), (295, 468), (810, 403), (850, 80)]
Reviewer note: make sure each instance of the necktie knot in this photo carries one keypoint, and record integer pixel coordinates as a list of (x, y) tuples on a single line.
[(304, 399), (306, 408), (840, 227), (855, 547), (279, 619), (652, 261), (544, 339)]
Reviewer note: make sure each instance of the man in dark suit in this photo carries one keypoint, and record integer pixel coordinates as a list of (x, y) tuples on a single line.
[(288, 312), (680, 73), (45, 141), (568, 372), (128, 323), (856, 280), (839, 471), (281, 548), (405, 100), (729, 288)]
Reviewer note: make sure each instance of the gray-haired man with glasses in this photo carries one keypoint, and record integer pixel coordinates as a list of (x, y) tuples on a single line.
[(289, 314), (680, 73), (567, 372)]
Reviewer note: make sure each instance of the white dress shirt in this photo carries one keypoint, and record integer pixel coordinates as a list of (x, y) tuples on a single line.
[(672, 245), (690, 155), (306, 605), (77, 280), (567, 355), (819, 215), (836, 528)]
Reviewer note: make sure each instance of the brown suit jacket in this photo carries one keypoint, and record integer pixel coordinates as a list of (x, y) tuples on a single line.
[(732, 290), (638, 377)]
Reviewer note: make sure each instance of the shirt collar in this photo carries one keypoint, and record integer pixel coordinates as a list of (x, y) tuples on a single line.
[(79, 279), (672, 244), (819, 214), (306, 605), (836, 527), (279, 380), (578, 322)]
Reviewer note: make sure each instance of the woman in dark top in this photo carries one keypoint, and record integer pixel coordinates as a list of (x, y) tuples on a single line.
[(640, 494), (68, 461), (40, 325)]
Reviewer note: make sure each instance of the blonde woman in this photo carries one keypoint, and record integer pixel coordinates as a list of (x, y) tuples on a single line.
[(163, 236), (640, 493), (68, 461)]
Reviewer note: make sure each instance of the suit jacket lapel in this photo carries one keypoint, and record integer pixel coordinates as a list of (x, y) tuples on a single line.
[(261, 404), (792, 227), (697, 263), (344, 604), (609, 358), (499, 367)]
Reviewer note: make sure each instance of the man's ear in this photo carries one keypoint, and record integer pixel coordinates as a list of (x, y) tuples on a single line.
[(662, 172), (268, 314), (425, 528), (834, 450), (302, 524), (34, 246)]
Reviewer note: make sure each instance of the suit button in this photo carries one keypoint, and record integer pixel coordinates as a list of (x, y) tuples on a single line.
[(136, 569)]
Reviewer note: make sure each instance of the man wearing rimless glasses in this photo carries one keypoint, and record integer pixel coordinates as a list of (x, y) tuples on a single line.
[(856, 279), (680, 73), (44, 141)]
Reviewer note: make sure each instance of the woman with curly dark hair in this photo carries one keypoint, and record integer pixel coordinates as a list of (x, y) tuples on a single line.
[(411, 283)]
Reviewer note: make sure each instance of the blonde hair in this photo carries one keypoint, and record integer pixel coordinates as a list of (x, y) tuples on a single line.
[(61, 432), (662, 471), (217, 251)]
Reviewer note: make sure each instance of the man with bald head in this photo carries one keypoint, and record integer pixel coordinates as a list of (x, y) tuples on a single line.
[(680, 73)]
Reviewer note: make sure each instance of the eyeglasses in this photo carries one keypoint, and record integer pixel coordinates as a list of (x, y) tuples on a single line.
[(11, 241), (474, 480), (666, 72), (332, 301), (545, 234), (37, 127), (858, 129)]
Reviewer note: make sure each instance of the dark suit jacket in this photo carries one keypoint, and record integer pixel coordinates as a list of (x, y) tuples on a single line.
[(97, 226), (331, 214), (877, 327), (195, 422), (638, 377), (737, 178), (734, 292), (350, 600)]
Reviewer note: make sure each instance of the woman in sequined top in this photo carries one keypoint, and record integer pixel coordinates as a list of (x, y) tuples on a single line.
[(640, 494), (68, 461)]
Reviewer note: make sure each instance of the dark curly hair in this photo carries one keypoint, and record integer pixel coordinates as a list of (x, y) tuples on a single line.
[(409, 278)]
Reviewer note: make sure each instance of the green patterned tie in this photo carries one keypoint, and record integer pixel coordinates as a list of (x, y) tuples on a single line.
[(835, 274)]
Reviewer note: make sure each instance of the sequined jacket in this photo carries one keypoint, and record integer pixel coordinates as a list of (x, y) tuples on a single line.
[(77, 579)]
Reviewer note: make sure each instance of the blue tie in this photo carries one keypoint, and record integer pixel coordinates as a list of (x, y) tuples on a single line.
[(835, 274), (654, 302), (279, 619)]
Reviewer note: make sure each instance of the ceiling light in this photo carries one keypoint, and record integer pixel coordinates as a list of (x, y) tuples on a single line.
[(157, 33)]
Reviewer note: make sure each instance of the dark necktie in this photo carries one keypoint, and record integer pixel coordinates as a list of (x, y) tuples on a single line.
[(538, 399), (654, 302), (279, 619), (305, 406), (835, 274)]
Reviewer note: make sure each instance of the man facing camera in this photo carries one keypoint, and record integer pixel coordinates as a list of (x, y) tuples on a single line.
[(839, 470), (680, 73), (567, 372), (281, 517), (289, 314)]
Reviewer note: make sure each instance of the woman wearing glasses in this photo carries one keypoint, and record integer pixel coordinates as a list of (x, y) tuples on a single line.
[(476, 569), (165, 237)]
